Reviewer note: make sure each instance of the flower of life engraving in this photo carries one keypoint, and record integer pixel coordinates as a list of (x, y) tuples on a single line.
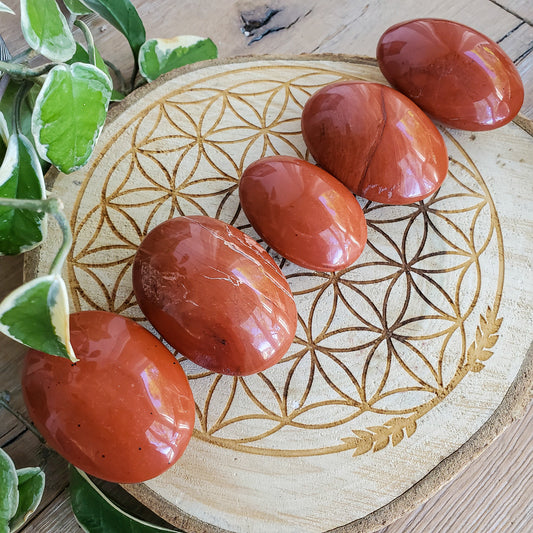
[(378, 344)]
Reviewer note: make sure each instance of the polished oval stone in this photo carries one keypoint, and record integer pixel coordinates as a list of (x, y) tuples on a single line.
[(303, 212), (375, 141), (124, 412), (215, 295), (456, 74)]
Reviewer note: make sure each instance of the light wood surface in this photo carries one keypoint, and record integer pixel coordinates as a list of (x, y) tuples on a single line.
[(340, 392), (494, 492)]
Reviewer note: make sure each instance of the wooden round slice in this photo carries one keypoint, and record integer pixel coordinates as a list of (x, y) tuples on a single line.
[(404, 365)]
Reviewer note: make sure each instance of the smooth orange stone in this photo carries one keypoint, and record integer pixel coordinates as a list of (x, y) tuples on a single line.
[(124, 412), (456, 74), (375, 141), (303, 213), (215, 295)]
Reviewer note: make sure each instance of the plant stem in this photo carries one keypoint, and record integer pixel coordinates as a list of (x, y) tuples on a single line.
[(16, 70), (118, 75), (140, 83), (25, 54), (61, 256), (134, 75), (21, 94), (4, 402), (53, 206), (89, 38), (42, 206)]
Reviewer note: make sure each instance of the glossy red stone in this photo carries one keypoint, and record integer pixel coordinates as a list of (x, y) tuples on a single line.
[(215, 295), (124, 412), (456, 74), (303, 212), (375, 141)]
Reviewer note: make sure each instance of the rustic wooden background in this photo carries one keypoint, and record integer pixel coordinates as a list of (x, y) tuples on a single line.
[(493, 493)]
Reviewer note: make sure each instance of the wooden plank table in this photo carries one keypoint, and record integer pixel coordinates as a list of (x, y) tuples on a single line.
[(494, 492)]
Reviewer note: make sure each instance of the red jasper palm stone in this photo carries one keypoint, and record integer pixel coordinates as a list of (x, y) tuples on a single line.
[(376, 141), (456, 74)]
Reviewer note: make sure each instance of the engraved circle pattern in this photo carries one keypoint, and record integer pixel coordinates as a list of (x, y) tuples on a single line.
[(378, 344)]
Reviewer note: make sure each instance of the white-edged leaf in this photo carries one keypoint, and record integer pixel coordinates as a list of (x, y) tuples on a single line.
[(158, 56), (124, 17), (4, 130), (69, 114), (95, 513), (30, 487), (82, 56), (46, 30), (21, 177), (36, 314), (9, 494), (6, 9)]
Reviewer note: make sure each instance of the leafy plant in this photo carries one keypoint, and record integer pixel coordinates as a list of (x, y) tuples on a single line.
[(158, 56), (96, 513), (21, 493), (53, 115)]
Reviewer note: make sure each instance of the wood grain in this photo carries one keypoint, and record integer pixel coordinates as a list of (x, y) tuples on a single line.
[(340, 26), (493, 493)]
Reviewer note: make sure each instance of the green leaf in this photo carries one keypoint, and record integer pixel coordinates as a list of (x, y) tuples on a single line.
[(158, 56), (21, 177), (97, 514), (76, 7), (82, 56), (46, 30), (117, 96), (36, 314), (9, 494), (7, 105), (30, 488), (69, 114), (124, 17), (6, 9)]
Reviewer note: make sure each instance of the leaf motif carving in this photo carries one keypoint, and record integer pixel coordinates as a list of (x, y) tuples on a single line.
[(381, 442), (410, 426), (477, 367), (485, 338), (377, 438), (361, 444), (397, 437)]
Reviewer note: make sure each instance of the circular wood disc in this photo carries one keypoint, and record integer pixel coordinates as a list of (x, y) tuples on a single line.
[(403, 366)]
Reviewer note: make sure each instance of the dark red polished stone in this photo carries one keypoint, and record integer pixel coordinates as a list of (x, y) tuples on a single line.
[(124, 412), (303, 213), (456, 74), (375, 141), (215, 295)]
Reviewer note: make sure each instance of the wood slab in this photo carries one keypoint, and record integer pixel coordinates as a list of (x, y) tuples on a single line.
[(404, 365)]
